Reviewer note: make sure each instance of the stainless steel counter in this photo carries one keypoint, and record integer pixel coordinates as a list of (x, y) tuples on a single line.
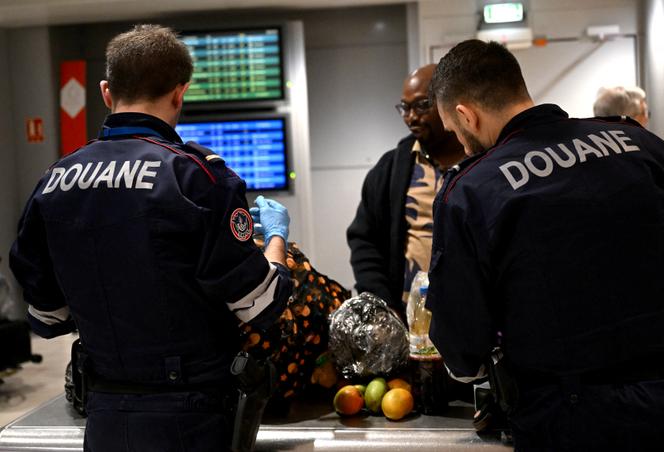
[(55, 426)]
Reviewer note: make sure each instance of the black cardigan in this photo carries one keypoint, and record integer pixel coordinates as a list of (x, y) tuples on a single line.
[(377, 234)]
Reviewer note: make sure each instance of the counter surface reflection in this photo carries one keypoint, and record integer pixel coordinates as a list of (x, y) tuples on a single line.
[(310, 426)]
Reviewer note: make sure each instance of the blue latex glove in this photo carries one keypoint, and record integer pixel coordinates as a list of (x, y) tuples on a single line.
[(256, 217), (274, 219)]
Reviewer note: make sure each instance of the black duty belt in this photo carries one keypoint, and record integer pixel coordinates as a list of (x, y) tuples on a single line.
[(100, 384), (625, 373)]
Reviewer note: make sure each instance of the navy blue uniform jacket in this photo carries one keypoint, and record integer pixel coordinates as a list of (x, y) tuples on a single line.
[(555, 238), (146, 244)]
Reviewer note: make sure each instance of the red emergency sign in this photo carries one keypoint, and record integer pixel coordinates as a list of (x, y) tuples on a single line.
[(73, 133)]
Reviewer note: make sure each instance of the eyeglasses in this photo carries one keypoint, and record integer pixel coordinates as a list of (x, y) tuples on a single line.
[(420, 107)]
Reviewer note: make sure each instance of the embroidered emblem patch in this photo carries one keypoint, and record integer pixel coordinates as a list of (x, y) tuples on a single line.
[(241, 225)]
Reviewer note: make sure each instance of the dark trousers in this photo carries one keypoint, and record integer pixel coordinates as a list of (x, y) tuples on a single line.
[(174, 422), (574, 416)]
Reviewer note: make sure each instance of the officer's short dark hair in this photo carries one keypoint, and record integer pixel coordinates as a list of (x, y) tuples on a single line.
[(486, 74), (146, 63)]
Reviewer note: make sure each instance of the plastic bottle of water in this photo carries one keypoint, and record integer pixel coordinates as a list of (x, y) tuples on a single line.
[(420, 321), (428, 375)]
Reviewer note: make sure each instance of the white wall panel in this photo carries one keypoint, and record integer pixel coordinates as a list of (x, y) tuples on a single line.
[(352, 95), (574, 21), (575, 5), (362, 26), (354, 84), (33, 95), (654, 63), (566, 73), (337, 196), (570, 73), (8, 190), (434, 8), (448, 22)]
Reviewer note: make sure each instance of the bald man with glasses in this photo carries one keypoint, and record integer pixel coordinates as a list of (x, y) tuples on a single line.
[(390, 237)]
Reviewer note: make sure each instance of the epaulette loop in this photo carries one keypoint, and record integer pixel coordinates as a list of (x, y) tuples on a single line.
[(208, 154)]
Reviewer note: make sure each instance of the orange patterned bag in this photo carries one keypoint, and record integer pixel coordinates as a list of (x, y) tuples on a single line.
[(295, 342)]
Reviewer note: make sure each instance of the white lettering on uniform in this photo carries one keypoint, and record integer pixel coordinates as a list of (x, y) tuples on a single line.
[(127, 174), (584, 149), (623, 140), (66, 186), (510, 178), (548, 164), (82, 183), (518, 173), (571, 158), (602, 143), (106, 176), (145, 172), (132, 174), (56, 175)]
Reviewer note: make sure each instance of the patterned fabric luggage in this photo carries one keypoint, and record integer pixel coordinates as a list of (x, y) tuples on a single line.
[(301, 335)]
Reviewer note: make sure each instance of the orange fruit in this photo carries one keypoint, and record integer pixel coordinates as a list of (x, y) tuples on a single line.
[(399, 383), (328, 376), (397, 403), (348, 400)]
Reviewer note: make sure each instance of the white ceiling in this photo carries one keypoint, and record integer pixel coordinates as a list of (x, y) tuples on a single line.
[(21, 13)]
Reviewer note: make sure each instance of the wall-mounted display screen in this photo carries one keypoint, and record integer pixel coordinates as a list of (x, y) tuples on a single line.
[(231, 66), (254, 148)]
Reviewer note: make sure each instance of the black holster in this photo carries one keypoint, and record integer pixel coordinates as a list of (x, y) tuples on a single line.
[(503, 382), (257, 381), (77, 378)]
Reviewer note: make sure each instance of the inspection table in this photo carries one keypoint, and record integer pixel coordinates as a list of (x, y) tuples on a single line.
[(309, 426)]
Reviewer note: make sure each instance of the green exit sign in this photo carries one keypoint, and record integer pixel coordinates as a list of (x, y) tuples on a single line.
[(500, 13)]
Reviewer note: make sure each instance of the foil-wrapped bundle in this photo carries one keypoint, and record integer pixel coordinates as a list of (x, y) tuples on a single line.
[(367, 338)]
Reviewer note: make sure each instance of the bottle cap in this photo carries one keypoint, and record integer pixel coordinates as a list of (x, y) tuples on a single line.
[(424, 290)]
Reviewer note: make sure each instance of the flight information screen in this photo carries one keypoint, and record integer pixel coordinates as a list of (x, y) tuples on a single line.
[(255, 149), (232, 66)]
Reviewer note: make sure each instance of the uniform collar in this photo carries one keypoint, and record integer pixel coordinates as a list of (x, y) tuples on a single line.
[(130, 124), (534, 116)]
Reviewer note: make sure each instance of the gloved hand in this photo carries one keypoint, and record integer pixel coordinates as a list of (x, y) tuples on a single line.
[(256, 217), (271, 217)]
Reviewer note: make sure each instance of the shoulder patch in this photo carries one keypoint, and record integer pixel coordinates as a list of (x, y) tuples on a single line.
[(241, 225)]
